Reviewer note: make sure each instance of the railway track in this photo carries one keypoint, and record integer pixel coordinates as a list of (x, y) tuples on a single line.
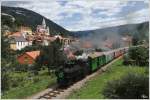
[(59, 93), (51, 94)]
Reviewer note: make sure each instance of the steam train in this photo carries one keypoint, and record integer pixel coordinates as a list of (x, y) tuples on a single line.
[(76, 70)]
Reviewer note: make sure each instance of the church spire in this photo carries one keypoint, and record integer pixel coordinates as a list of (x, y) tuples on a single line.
[(48, 33), (44, 23)]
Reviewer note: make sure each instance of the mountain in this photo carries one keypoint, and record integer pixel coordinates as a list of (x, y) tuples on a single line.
[(20, 16), (114, 36), (130, 29), (14, 16)]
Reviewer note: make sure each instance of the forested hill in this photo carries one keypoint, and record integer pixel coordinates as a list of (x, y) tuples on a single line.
[(21, 16), (141, 29)]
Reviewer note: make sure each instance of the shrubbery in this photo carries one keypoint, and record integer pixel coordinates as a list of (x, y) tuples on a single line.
[(20, 67), (16, 80), (131, 86)]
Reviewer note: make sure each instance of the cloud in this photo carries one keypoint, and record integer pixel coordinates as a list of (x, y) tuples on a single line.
[(87, 14)]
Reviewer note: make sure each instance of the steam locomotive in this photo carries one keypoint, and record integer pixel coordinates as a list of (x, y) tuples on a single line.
[(76, 70)]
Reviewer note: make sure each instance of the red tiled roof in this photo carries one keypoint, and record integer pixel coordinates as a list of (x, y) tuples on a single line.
[(33, 54), (16, 34)]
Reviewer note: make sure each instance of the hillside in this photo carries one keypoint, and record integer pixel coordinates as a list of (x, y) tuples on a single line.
[(114, 35), (21, 16), (141, 29)]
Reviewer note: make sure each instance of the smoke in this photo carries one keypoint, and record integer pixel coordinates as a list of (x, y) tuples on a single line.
[(84, 56), (105, 40)]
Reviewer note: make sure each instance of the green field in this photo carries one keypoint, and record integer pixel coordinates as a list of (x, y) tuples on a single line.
[(40, 82), (94, 87)]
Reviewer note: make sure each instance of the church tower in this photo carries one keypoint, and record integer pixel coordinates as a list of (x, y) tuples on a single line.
[(44, 23), (48, 33)]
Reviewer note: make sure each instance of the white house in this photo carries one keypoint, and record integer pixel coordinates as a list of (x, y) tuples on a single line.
[(18, 43)]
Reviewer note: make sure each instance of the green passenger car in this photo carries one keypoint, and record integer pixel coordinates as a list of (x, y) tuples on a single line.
[(93, 63), (109, 56), (101, 60), (96, 60)]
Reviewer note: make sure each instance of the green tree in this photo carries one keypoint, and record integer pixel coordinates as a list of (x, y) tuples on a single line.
[(7, 20), (140, 55), (5, 46), (5, 75), (136, 39), (51, 56)]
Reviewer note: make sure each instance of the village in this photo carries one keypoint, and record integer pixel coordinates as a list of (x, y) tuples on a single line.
[(25, 37)]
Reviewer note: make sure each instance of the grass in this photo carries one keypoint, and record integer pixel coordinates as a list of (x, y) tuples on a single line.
[(30, 87), (94, 87)]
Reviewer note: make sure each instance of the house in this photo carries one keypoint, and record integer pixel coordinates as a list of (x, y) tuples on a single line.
[(63, 40), (18, 42), (66, 41), (28, 57), (25, 30)]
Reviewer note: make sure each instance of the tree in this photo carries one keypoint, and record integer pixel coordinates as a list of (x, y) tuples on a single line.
[(7, 20), (136, 39), (5, 75), (5, 46), (5, 84), (131, 86), (139, 54), (51, 56), (78, 52)]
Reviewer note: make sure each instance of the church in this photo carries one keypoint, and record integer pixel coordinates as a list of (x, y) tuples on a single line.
[(42, 29)]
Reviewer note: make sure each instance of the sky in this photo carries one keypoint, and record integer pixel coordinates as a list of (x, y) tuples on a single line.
[(79, 15)]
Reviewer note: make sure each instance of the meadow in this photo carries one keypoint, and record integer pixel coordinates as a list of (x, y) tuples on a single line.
[(94, 87)]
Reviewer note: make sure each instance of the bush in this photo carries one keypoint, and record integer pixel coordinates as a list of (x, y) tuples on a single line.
[(19, 67), (128, 61), (131, 86), (35, 79), (16, 80)]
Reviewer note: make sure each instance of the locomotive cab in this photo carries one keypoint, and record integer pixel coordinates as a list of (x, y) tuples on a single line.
[(71, 72)]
